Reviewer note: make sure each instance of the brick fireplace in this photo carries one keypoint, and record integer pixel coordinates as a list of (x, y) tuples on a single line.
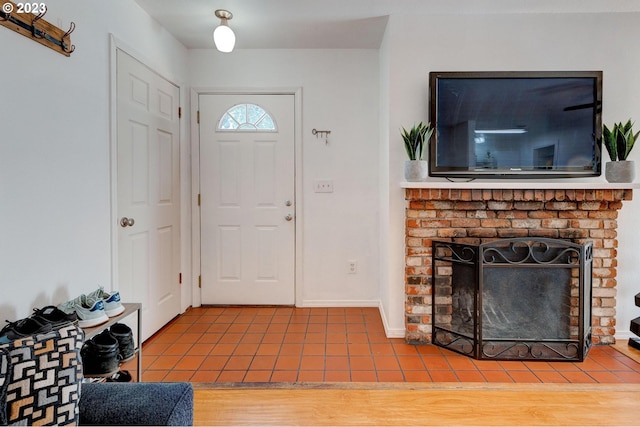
[(477, 215)]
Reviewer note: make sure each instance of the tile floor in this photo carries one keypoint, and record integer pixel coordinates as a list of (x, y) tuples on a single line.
[(286, 344)]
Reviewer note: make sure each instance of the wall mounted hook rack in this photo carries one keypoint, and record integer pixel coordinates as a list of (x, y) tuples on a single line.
[(26, 19), (322, 134)]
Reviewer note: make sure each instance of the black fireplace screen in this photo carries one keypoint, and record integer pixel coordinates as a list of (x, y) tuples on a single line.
[(513, 299)]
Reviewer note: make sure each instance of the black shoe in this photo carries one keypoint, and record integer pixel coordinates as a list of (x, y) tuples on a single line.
[(53, 316), (22, 328), (124, 335), (120, 377), (100, 355)]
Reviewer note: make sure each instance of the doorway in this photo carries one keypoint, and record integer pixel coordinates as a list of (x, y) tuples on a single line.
[(247, 199)]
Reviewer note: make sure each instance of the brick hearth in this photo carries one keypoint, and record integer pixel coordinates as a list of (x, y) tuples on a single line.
[(479, 215)]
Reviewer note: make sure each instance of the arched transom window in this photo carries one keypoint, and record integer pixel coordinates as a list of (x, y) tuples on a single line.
[(247, 117)]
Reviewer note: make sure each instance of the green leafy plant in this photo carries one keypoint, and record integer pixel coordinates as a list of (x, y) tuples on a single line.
[(415, 140), (619, 140)]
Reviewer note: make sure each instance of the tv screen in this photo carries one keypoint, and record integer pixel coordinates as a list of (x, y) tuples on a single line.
[(515, 124)]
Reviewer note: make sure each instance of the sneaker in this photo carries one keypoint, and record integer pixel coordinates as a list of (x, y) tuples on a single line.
[(124, 335), (22, 328), (89, 314), (120, 377), (112, 304), (100, 355), (55, 317)]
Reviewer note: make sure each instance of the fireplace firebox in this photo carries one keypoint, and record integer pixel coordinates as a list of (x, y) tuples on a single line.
[(513, 299)]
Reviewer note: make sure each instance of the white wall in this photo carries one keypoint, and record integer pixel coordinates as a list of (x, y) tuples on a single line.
[(340, 94), (419, 44), (55, 211)]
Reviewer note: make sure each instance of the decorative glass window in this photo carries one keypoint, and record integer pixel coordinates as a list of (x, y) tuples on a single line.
[(247, 117)]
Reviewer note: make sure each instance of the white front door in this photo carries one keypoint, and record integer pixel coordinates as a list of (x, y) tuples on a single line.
[(247, 167), (148, 187)]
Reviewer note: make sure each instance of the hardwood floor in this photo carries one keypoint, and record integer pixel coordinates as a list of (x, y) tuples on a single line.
[(391, 404), (410, 404)]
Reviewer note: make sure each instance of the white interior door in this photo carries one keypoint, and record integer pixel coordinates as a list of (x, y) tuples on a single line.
[(247, 199), (148, 189)]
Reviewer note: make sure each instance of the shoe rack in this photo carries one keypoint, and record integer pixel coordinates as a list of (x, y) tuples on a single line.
[(129, 309), (635, 328)]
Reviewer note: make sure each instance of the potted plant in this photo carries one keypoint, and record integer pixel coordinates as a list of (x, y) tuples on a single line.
[(415, 144), (619, 142)]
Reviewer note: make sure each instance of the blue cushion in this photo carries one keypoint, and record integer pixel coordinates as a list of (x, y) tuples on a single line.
[(114, 403)]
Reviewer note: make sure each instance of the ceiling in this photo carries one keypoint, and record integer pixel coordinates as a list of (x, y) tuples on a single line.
[(333, 24)]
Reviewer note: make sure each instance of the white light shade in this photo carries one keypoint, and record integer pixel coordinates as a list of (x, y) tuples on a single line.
[(224, 38)]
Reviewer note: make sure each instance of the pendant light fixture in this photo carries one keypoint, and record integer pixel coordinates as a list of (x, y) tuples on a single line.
[(223, 36)]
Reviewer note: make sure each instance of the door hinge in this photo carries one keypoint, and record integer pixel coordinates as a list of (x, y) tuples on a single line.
[(200, 281), (198, 116), (179, 112), (198, 199), (180, 278)]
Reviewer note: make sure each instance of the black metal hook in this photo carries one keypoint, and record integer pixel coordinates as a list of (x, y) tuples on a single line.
[(34, 31), (65, 47), (5, 16)]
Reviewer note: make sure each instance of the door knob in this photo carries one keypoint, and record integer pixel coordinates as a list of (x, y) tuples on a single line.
[(124, 222), (288, 217)]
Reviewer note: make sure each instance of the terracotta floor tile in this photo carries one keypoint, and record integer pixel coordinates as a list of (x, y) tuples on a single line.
[(470, 376), (246, 349), (313, 349), (417, 376), (550, 377), (178, 376), (164, 362), (497, 377), (150, 376), (524, 376), (359, 349), (284, 376), (382, 348), (361, 363), (201, 349), (443, 376), (336, 349), (288, 349), (214, 363), (436, 363), (386, 363), (263, 363), (312, 363), (227, 376), (251, 338), (268, 348), (578, 377), (337, 376), (201, 376), (411, 363), (461, 363), (189, 363), (364, 376), (288, 363), (310, 376), (223, 349), (189, 337), (238, 363), (257, 376), (337, 363), (390, 376), (177, 349), (275, 338)]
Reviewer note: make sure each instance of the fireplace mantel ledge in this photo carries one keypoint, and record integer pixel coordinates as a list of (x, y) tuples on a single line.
[(521, 185)]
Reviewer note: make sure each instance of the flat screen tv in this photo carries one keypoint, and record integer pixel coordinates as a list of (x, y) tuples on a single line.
[(539, 124)]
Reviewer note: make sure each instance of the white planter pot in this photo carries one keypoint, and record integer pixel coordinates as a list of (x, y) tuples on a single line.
[(416, 170), (620, 171)]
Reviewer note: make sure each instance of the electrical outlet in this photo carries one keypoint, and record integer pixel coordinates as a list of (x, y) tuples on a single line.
[(325, 186), (352, 266)]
